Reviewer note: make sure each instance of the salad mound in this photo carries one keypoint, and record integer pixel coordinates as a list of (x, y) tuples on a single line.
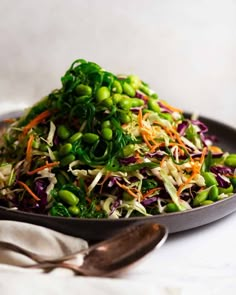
[(105, 146)]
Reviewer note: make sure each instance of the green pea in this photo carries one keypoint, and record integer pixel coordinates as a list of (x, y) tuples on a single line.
[(128, 150), (102, 93), (117, 98), (106, 124), (209, 179), (125, 103), (227, 190), (136, 102), (127, 197), (65, 149), (153, 105), (74, 210), (108, 102), (68, 197), (63, 132), (90, 137), (67, 160), (201, 197), (231, 160), (128, 89), (134, 81), (233, 181), (83, 90), (207, 202), (171, 207), (214, 193), (107, 133), (124, 118), (75, 137), (116, 87)]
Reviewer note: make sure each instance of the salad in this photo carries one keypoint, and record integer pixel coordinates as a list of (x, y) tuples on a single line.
[(105, 146)]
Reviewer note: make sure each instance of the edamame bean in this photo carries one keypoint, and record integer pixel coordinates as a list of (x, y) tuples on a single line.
[(200, 197), (106, 124), (128, 150), (145, 89), (231, 160), (116, 98), (166, 116), (136, 102), (214, 193), (107, 133), (82, 99), (125, 103), (128, 89), (102, 93), (116, 87), (35, 144), (65, 149), (75, 137), (226, 190), (171, 207), (209, 179), (153, 105), (83, 90), (108, 102), (63, 132), (124, 118), (207, 202), (67, 160), (61, 179), (74, 210), (68, 197), (43, 147), (90, 137), (134, 81)]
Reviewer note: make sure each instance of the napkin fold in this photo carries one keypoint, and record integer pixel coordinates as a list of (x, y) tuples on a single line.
[(37, 239)]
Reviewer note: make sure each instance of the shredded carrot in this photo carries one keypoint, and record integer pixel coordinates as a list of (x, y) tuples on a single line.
[(127, 189), (215, 149), (9, 120), (36, 120), (196, 170), (162, 161), (29, 149), (48, 165), (230, 175), (150, 192), (25, 186), (170, 107)]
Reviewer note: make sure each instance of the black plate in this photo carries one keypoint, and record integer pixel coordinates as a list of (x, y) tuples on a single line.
[(94, 229)]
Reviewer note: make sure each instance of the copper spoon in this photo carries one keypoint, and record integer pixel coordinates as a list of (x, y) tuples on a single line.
[(108, 257)]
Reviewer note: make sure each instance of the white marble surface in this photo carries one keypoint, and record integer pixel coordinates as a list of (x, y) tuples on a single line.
[(185, 49)]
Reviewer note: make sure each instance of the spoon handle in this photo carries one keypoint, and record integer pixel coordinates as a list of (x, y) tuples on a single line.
[(50, 266)]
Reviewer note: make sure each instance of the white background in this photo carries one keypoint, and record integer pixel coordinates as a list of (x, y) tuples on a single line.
[(185, 49)]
